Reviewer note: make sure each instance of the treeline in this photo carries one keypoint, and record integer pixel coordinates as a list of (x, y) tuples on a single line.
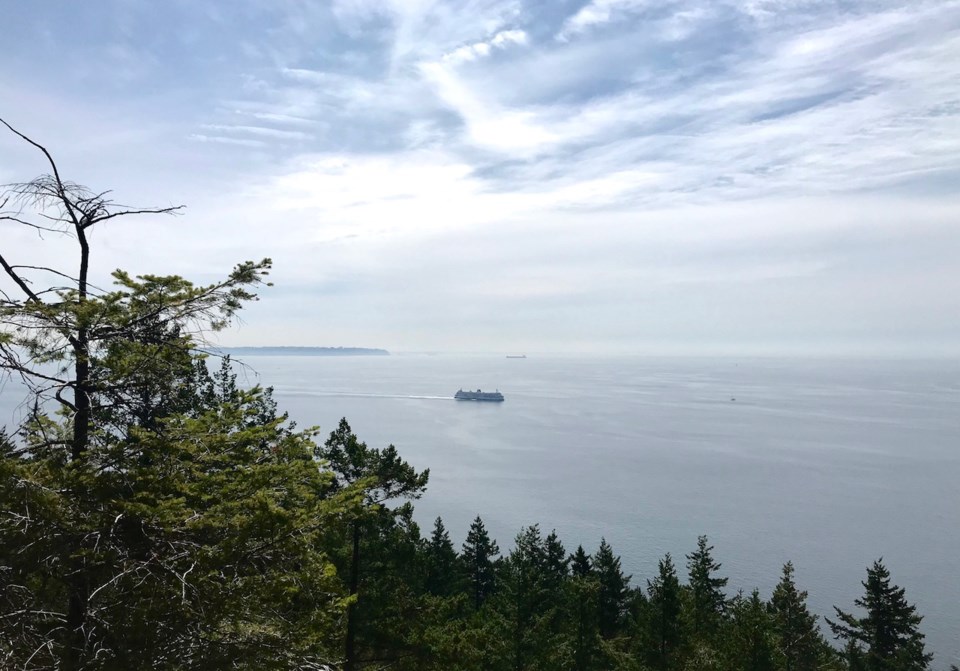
[(155, 515), (422, 604)]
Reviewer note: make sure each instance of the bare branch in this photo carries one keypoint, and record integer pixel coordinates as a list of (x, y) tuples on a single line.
[(60, 187), (17, 279), (45, 269), (53, 165), (123, 213), (23, 222), (96, 197)]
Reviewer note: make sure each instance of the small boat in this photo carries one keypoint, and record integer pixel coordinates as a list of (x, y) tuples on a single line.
[(478, 395), (516, 356)]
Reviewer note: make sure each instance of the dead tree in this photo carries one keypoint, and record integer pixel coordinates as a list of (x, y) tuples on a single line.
[(54, 323)]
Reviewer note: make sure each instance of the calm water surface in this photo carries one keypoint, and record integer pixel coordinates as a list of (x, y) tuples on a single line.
[(830, 464)]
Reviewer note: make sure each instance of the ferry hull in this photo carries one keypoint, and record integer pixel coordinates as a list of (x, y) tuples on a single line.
[(488, 396)]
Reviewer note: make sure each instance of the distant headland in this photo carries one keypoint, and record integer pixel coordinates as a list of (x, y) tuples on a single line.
[(304, 351)]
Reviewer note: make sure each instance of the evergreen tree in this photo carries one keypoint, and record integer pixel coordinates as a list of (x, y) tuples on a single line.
[(584, 589), (527, 586), (752, 634), (556, 606), (444, 569), (392, 608), (556, 562), (888, 637), (709, 600), (799, 643), (612, 590), (384, 476), (199, 521), (665, 625), (580, 564), (478, 555)]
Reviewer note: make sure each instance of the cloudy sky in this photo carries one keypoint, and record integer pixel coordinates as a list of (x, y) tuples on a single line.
[(648, 176)]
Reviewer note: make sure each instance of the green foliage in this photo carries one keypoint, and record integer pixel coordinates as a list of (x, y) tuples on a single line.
[(154, 516), (528, 598), (888, 637), (584, 592), (665, 626), (387, 537), (444, 569), (200, 544), (478, 554), (389, 589), (708, 600), (799, 646), (555, 562), (386, 474), (752, 637), (580, 564), (612, 591), (136, 338)]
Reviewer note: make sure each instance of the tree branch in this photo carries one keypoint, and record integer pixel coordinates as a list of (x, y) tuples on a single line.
[(45, 269), (61, 192), (124, 213), (17, 279), (53, 165), (8, 217)]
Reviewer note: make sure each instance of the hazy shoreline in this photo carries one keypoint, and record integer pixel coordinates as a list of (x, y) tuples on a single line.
[(305, 351)]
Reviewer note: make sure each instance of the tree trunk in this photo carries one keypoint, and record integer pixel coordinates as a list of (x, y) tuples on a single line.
[(77, 581)]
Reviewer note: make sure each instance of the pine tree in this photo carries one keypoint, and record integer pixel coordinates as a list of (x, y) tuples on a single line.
[(584, 588), (444, 569), (527, 586), (580, 564), (556, 562), (752, 634), (664, 605), (384, 476), (888, 638), (799, 643), (612, 590), (709, 601), (391, 610), (478, 555)]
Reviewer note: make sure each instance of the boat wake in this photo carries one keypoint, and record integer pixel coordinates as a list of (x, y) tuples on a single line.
[(350, 394)]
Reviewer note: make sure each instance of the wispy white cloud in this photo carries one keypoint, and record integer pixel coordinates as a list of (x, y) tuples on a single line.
[(225, 139), (472, 52), (792, 115), (597, 12), (277, 118), (653, 155), (264, 131)]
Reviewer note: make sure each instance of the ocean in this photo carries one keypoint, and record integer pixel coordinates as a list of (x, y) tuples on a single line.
[(828, 463)]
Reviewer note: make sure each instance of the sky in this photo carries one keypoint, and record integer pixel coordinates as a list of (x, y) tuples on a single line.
[(598, 176)]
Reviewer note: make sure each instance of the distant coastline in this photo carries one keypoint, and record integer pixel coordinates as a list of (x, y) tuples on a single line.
[(305, 351)]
